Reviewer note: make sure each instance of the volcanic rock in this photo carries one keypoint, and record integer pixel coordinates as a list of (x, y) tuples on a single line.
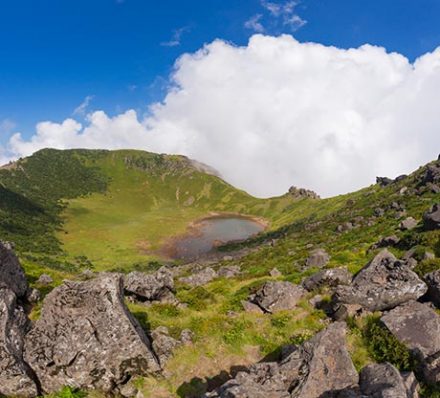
[(328, 277), (87, 338)]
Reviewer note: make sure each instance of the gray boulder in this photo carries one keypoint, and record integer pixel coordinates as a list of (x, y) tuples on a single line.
[(87, 338), (11, 274), (277, 296), (318, 258), (275, 273), (433, 281), (408, 223), (163, 344), (44, 280), (150, 287), (319, 368), (388, 241), (431, 219), (328, 277), (417, 325), (200, 278), (16, 378), (382, 284), (229, 271), (385, 381)]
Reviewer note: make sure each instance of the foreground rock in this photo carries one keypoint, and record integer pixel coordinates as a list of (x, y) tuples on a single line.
[(200, 278), (417, 325), (151, 287), (87, 338), (318, 258), (321, 367), (382, 284), (408, 224), (431, 219), (16, 379), (277, 296), (385, 381), (329, 277), (11, 274)]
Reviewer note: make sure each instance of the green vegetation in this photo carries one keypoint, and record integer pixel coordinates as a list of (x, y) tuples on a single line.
[(70, 211)]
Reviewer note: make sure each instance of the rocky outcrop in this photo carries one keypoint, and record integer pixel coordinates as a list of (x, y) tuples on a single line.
[(277, 296), (328, 277), (86, 337), (382, 284), (417, 325), (151, 287), (385, 381), (164, 345), (302, 193), (16, 378), (383, 181), (11, 274), (200, 278), (317, 258), (319, 368), (431, 219)]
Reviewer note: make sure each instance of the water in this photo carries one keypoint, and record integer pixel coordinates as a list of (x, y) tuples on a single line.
[(211, 232)]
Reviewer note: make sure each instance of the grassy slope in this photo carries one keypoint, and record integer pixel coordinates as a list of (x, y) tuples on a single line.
[(141, 205)]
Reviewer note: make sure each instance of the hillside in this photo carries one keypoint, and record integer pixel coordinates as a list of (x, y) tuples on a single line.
[(69, 211)]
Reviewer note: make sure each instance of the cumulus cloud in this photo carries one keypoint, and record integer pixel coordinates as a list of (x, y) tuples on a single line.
[(278, 112)]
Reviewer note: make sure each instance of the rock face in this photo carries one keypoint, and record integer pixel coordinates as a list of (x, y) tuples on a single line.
[(329, 277), (431, 219), (382, 284), (87, 338), (150, 287), (417, 325), (385, 381), (317, 258), (16, 378), (200, 278), (277, 296), (11, 274), (321, 367), (433, 281)]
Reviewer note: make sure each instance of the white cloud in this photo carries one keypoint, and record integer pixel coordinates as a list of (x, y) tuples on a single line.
[(82, 108), (285, 14), (254, 23), (278, 112), (176, 38)]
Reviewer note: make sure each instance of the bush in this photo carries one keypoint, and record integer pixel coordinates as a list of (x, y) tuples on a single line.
[(384, 347)]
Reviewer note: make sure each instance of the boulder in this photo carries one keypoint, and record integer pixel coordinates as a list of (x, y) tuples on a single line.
[(275, 273), (432, 174), (388, 241), (344, 227), (385, 381), (16, 378), (87, 338), (11, 274), (186, 336), (408, 223), (379, 212), (319, 368), (431, 219), (33, 296), (382, 284), (150, 287), (251, 307), (433, 281), (383, 181), (44, 280), (328, 277), (277, 296), (200, 278), (318, 258), (302, 193), (229, 271), (163, 344), (417, 326)]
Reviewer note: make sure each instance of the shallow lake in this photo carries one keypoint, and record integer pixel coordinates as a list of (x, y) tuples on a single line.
[(211, 232)]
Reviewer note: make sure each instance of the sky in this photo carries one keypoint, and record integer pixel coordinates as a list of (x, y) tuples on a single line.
[(324, 94)]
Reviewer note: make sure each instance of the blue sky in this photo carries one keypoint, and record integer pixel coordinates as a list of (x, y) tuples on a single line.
[(55, 53)]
